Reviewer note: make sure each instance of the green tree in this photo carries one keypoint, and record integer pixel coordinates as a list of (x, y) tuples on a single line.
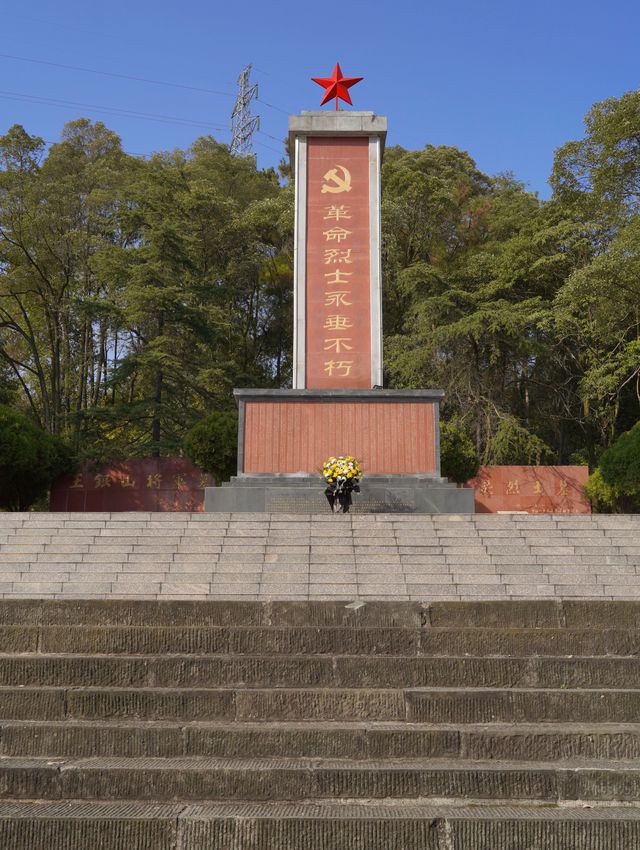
[(30, 461), (599, 493), (615, 484), (600, 174), (470, 298), (458, 459), (434, 205), (134, 295), (58, 220), (597, 181), (514, 445), (212, 444), (206, 298)]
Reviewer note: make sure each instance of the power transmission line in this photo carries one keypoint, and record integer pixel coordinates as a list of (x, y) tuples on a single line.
[(271, 106), (127, 113), (149, 80), (113, 74), (251, 124), (22, 97)]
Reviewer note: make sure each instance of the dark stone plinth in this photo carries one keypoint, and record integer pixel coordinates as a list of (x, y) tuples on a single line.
[(304, 494)]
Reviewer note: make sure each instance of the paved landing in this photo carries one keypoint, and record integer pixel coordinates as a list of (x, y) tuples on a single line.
[(320, 556)]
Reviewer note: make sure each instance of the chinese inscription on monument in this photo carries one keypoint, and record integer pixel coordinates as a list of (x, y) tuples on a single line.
[(337, 274)]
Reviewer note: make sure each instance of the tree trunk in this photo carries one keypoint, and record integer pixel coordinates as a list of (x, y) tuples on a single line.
[(157, 398)]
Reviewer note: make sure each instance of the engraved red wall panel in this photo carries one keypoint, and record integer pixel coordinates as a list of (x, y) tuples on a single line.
[(534, 489), (137, 484), (392, 438), (338, 297)]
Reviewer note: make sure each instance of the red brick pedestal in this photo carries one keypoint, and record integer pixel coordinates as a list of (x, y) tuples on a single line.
[(390, 432)]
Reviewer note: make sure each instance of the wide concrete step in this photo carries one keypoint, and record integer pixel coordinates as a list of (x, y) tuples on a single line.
[(350, 671), (189, 704), (177, 612), (203, 640), (415, 705), (406, 825), (520, 642), (542, 741), (520, 705), (308, 640), (558, 615), (207, 779)]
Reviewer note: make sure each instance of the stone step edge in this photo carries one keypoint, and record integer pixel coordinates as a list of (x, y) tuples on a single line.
[(309, 628), (225, 780), (356, 740), (334, 809), (498, 728), (278, 658), (513, 614), (418, 690), (311, 764), (342, 627)]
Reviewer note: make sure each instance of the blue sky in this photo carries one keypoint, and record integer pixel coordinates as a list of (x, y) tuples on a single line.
[(507, 81)]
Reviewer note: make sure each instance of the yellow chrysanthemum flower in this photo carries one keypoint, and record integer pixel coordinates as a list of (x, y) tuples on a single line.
[(343, 468)]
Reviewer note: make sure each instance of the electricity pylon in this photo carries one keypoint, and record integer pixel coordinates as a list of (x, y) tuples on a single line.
[(243, 123)]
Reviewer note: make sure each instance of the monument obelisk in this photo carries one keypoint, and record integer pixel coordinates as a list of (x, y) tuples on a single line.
[(337, 405)]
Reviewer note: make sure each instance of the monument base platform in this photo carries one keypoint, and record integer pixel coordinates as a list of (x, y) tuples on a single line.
[(391, 432), (304, 494)]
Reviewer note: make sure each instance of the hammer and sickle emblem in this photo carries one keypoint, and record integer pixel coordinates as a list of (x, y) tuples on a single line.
[(341, 184)]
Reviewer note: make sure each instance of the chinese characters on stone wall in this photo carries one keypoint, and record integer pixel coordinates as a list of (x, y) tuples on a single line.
[(337, 319), (152, 484), (155, 481), (338, 311), (532, 489), (512, 488)]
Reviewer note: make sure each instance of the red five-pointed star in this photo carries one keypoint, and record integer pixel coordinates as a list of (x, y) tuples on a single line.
[(336, 86)]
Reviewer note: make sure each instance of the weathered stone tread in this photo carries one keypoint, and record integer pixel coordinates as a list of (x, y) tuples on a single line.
[(327, 808), (331, 826), (322, 739), (205, 778), (404, 671), (298, 717)]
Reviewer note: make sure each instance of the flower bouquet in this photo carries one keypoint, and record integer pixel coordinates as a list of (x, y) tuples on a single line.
[(342, 475)]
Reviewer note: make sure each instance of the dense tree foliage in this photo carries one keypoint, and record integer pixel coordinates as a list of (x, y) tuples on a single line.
[(30, 461), (212, 444), (525, 313), (458, 459), (615, 484), (136, 293)]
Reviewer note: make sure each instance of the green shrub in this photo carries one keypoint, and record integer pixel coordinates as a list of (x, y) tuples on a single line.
[(599, 493), (30, 461), (212, 444), (458, 458), (615, 484)]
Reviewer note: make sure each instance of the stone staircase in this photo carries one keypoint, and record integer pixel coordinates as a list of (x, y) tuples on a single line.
[(305, 556), (319, 725)]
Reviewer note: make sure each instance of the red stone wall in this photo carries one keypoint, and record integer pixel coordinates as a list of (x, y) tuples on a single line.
[(534, 489), (138, 484), (174, 484), (299, 436)]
